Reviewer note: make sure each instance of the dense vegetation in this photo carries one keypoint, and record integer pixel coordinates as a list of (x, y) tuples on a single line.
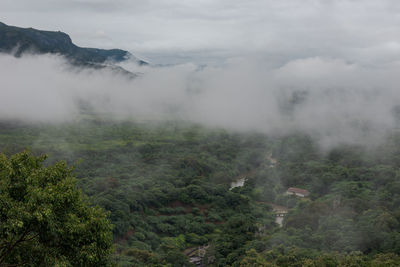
[(167, 187), (45, 220), (31, 40)]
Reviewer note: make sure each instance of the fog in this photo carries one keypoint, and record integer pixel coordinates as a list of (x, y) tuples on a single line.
[(165, 31), (334, 100)]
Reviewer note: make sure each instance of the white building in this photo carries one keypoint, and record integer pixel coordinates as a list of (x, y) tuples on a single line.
[(297, 192)]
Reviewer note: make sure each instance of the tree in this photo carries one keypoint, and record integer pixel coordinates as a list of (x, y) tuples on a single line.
[(45, 220), (253, 259)]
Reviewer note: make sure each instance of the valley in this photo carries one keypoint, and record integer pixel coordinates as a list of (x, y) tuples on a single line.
[(167, 187)]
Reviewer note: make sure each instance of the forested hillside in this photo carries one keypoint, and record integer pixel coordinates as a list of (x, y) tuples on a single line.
[(168, 189), (17, 40)]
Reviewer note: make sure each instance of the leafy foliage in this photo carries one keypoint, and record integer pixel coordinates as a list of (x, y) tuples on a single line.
[(167, 188), (45, 220)]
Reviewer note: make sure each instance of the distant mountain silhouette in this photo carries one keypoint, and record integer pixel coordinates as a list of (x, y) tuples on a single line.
[(18, 41)]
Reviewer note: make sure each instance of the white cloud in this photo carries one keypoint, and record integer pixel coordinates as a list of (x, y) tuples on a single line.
[(279, 30), (329, 68), (332, 99)]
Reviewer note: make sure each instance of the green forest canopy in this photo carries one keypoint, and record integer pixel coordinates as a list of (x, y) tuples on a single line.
[(45, 219), (167, 188)]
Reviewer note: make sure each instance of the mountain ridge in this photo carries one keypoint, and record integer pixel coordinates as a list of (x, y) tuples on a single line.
[(17, 41)]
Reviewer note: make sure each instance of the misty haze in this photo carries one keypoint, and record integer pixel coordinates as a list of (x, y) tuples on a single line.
[(206, 133)]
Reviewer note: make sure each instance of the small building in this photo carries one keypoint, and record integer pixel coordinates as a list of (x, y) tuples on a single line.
[(196, 255), (196, 260), (280, 213), (297, 192), (272, 162), (238, 183)]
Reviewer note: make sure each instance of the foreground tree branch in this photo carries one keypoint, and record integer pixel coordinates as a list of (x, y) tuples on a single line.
[(45, 220)]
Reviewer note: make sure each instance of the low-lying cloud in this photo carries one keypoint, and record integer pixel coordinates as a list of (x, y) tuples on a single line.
[(335, 100), (169, 31)]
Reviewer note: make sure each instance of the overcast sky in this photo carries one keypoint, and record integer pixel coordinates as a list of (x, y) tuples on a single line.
[(362, 31), (330, 68)]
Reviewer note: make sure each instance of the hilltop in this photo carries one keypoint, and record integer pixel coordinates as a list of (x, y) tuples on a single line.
[(18, 41)]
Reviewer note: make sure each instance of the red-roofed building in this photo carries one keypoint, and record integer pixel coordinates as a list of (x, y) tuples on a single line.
[(297, 192)]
